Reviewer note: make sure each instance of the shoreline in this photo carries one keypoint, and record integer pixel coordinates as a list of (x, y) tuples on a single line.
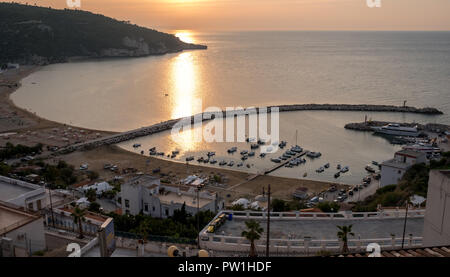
[(282, 187)]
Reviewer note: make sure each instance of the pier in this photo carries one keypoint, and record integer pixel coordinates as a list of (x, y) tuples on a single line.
[(283, 163), (167, 125)]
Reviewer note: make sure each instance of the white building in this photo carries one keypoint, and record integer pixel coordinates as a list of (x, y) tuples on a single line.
[(436, 230), (21, 232), (29, 196), (145, 193), (98, 187), (392, 170)]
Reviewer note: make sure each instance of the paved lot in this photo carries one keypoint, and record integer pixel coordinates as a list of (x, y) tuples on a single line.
[(326, 229)]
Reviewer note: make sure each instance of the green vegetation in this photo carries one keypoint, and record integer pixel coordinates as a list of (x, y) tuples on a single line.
[(32, 34), (78, 218), (59, 176), (279, 205), (329, 207), (94, 207), (180, 225), (16, 151), (252, 233), (343, 233), (415, 181)]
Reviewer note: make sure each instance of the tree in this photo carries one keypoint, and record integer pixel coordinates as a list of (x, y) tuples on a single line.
[(252, 233), (78, 215), (181, 215), (279, 205), (91, 195), (94, 207), (328, 207), (343, 235)]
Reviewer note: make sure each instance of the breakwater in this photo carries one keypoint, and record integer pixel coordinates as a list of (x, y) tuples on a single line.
[(167, 125), (367, 126)]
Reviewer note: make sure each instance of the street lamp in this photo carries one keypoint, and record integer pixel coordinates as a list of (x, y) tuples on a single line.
[(404, 225)]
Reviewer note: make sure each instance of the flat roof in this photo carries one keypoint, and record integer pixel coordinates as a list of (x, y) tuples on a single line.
[(327, 229), (172, 196), (393, 163), (12, 218), (410, 153), (10, 191)]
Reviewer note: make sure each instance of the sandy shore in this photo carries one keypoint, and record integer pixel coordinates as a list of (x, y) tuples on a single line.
[(20, 126)]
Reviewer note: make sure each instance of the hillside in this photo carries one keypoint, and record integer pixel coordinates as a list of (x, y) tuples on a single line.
[(39, 35)]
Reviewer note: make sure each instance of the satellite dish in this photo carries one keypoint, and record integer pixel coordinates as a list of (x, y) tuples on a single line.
[(173, 251), (203, 253)]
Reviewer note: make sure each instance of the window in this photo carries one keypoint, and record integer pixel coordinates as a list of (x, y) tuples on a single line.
[(39, 205), (153, 208), (167, 212), (146, 207), (127, 203), (30, 206)]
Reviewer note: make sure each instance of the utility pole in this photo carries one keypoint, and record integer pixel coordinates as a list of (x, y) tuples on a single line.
[(404, 225), (268, 221), (198, 217), (51, 207)]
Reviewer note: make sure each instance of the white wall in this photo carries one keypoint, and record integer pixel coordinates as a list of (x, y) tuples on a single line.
[(437, 217), (390, 175), (34, 235)]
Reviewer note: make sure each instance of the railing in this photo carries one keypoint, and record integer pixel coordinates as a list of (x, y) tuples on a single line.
[(156, 238), (240, 244), (324, 216)]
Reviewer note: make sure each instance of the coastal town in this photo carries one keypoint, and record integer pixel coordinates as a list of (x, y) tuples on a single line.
[(63, 184)]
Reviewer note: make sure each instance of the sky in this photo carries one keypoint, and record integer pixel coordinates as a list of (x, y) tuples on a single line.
[(247, 15)]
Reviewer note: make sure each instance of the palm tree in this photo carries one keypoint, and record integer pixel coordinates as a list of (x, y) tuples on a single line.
[(252, 233), (343, 235), (78, 217)]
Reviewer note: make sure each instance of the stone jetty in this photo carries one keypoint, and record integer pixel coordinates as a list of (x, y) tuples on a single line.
[(367, 126), (167, 125)]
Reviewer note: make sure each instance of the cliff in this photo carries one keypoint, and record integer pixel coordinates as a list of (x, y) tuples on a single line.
[(39, 35)]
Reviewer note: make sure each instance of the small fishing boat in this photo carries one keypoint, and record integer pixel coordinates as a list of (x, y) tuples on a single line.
[(222, 163), (190, 158), (244, 152), (275, 160), (231, 163), (320, 170), (338, 167), (136, 145), (254, 146), (232, 150), (251, 154), (327, 165), (240, 164), (337, 174), (213, 161), (344, 169), (262, 155)]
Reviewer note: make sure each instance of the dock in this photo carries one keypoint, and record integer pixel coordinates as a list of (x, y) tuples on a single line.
[(283, 163)]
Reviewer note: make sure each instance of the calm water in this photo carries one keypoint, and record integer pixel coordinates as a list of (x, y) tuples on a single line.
[(257, 69)]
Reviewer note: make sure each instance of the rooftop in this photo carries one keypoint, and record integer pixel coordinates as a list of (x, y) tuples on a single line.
[(396, 164), (10, 191), (183, 198), (410, 153), (12, 217), (442, 251)]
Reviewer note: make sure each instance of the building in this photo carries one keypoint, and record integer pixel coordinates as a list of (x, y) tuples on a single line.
[(29, 196), (146, 194), (393, 170), (437, 217), (61, 218), (21, 232)]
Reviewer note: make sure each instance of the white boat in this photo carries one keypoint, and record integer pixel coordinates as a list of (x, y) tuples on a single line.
[(344, 169), (397, 130)]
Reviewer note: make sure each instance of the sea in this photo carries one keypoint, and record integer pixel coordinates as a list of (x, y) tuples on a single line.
[(257, 69)]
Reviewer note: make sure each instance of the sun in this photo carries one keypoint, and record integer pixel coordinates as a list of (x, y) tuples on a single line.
[(185, 36)]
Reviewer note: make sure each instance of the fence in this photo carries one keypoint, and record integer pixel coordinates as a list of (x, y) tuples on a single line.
[(157, 238)]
